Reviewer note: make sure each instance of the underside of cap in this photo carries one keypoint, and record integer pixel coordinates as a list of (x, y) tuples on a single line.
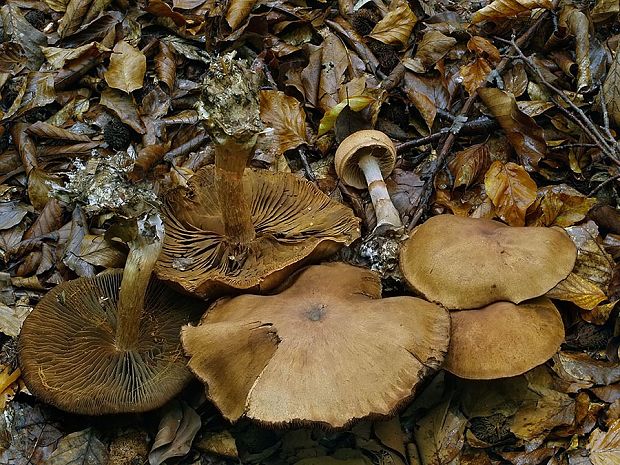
[(295, 223), (466, 263), (69, 359), (312, 354), (503, 339)]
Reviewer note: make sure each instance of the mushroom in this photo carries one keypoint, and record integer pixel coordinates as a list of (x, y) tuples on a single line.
[(326, 349), (466, 263), (363, 159), (110, 343), (503, 339), (235, 228)]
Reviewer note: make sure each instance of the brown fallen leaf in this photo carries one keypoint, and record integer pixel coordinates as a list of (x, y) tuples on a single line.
[(524, 135), (604, 10), (505, 9), (468, 165), (80, 447), (177, 430), (127, 68), (431, 48), (580, 367), (604, 446), (124, 107), (163, 10), (583, 293), (238, 11), (475, 74), (559, 205), (165, 64), (12, 58), (286, 117), (610, 91), (73, 17), (396, 26), (511, 190), (483, 48), (578, 24)]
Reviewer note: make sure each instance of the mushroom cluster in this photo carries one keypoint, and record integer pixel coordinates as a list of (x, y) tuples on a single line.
[(491, 276)]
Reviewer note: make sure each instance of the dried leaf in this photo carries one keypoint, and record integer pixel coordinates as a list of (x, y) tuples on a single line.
[(525, 136), (516, 80), (127, 68), (11, 320), (604, 446), (427, 94), (73, 17), (504, 9), (580, 367), (124, 107), (8, 384), (431, 48), (559, 205), (17, 29), (42, 129), (467, 165), (610, 90), (97, 251), (12, 213), (396, 26), (604, 10), (12, 58), (583, 293), (238, 11), (220, 443), (334, 63), (57, 57), (475, 74), (287, 118), (483, 48), (593, 262), (512, 191), (165, 65), (177, 430), (440, 434), (81, 447), (578, 25), (163, 10)]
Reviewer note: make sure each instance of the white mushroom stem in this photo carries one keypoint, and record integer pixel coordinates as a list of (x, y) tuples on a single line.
[(143, 253), (388, 218)]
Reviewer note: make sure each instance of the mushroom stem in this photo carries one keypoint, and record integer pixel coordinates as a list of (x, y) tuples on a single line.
[(143, 253), (230, 161), (387, 215)]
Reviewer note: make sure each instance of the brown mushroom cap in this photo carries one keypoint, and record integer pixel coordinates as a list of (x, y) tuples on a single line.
[(326, 349), (68, 355), (503, 339), (295, 224), (469, 263), (357, 145)]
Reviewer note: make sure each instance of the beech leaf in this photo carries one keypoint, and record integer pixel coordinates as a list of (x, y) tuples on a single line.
[(610, 90), (127, 68), (81, 447), (467, 165), (511, 190), (287, 118), (432, 48), (396, 26), (475, 74), (604, 446), (524, 135), (238, 11), (504, 9), (329, 118)]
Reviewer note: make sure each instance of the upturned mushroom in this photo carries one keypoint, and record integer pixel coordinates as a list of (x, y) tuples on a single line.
[(362, 160), (466, 263), (326, 349), (485, 268), (242, 229), (503, 339), (110, 343)]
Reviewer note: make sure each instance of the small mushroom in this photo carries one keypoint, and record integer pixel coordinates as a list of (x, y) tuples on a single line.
[(466, 263), (363, 159), (234, 228), (110, 343), (503, 339), (327, 349)]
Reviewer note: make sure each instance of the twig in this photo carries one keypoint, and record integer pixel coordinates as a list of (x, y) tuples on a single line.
[(603, 184), (304, 162)]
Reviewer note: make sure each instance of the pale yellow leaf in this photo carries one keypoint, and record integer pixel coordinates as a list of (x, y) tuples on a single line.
[(583, 293), (329, 118)]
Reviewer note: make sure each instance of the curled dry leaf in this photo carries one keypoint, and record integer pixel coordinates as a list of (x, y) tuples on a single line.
[(516, 80), (73, 17), (511, 190), (504, 9), (287, 118), (432, 48), (49, 131), (427, 95), (467, 165), (11, 320), (238, 11), (165, 65), (524, 135), (57, 57), (583, 293), (559, 205), (396, 26), (357, 103), (578, 25), (483, 48), (177, 430), (604, 446), (127, 68), (475, 74), (163, 10), (610, 91), (80, 447), (604, 10), (124, 107), (17, 29)]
